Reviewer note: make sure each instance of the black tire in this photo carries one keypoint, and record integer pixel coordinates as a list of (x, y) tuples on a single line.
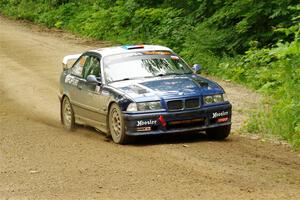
[(116, 125), (67, 114), (219, 133)]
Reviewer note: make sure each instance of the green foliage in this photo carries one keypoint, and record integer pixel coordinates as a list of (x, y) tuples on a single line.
[(212, 27), (275, 72), (251, 42)]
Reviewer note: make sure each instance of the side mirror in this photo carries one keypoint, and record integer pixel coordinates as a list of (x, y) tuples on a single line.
[(93, 79), (196, 68)]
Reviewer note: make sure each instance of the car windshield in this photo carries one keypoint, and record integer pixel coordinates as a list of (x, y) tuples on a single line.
[(138, 65)]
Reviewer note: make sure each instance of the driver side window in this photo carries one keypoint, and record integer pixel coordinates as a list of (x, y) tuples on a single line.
[(92, 67)]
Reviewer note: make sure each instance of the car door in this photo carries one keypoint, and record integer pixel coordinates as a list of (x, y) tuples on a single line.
[(92, 98), (74, 83)]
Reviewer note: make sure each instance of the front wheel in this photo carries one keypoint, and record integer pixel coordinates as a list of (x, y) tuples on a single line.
[(218, 133), (67, 114), (116, 125)]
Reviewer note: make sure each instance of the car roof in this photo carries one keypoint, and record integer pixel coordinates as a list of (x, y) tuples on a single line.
[(129, 48)]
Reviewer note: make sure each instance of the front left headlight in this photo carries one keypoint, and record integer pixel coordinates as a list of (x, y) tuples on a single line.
[(216, 98), (144, 106)]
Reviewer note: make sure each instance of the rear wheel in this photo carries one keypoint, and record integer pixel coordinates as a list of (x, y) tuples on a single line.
[(67, 114), (116, 125), (218, 133)]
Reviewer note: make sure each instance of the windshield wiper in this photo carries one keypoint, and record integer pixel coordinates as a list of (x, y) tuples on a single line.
[(167, 74), (124, 79), (173, 73)]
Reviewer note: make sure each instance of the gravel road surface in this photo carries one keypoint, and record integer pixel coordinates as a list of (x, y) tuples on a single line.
[(41, 160)]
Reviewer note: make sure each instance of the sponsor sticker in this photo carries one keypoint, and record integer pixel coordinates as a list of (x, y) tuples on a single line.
[(157, 53), (223, 119), (142, 129), (220, 114), (146, 122), (175, 57)]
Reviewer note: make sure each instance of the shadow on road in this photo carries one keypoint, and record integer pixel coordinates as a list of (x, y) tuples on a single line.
[(147, 140), (170, 139)]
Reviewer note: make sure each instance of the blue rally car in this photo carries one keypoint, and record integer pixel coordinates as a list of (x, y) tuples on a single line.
[(140, 90)]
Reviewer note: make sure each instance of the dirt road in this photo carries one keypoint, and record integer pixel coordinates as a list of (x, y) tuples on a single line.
[(40, 160)]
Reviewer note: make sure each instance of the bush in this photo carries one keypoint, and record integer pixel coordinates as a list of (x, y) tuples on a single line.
[(276, 72)]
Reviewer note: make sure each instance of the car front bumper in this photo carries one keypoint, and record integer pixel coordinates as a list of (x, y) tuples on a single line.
[(179, 121)]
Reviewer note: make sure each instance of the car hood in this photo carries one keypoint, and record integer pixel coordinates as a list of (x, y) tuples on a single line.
[(167, 87)]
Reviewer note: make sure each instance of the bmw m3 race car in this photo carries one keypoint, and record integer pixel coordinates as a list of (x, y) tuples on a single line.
[(140, 90)]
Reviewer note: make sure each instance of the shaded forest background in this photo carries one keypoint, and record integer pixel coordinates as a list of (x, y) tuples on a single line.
[(256, 43)]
